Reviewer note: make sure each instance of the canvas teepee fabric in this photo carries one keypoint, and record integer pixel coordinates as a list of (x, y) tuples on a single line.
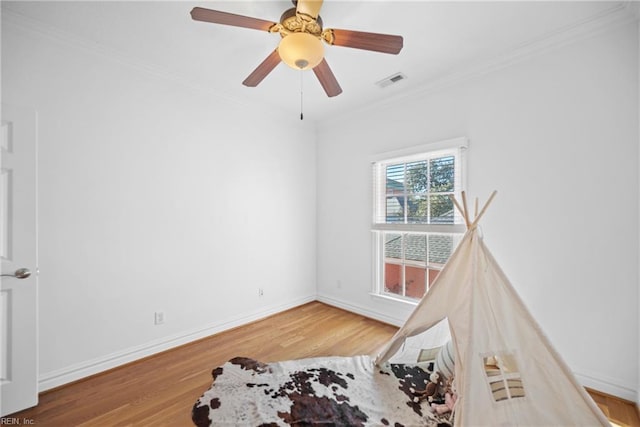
[(506, 370)]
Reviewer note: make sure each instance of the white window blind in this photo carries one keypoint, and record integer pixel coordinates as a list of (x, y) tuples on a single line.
[(415, 189)]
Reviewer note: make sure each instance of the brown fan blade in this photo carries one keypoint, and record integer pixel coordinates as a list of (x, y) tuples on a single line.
[(309, 9), (225, 18), (262, 70), (327, 79), (384, 43)]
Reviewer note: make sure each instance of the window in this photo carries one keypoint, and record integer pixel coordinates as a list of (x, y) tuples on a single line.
[(503, 376), (415, 224)]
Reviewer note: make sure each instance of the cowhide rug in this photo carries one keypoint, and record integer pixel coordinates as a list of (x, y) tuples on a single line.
[(340, 391)]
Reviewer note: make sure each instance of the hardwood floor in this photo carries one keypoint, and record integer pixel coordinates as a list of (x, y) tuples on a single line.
[(160, 390), (619, 412)]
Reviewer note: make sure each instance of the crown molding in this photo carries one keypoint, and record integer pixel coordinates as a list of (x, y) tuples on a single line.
[(620, 14), (86, 46)]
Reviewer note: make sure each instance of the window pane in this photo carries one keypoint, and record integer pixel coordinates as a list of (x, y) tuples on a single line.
[(432, 276), (393, 245), (395, 212), (415, 282), (440, 248), (441, 209), (395, 179), (418, 209), (415, 247), (393, 278), (442, 174), (417, 177)]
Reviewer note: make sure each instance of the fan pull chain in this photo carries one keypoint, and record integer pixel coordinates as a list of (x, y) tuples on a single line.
[(301, 98)]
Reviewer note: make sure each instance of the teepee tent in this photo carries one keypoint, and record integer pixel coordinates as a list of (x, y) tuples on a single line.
[(506, 370)]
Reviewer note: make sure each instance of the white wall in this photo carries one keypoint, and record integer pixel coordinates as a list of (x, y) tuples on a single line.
[(557, 136), (153, 197)]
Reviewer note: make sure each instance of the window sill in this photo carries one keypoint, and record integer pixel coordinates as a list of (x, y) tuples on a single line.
[(393, 299)]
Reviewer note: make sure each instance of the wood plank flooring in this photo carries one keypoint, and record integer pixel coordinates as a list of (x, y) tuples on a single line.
[(620, 412), (160, 390)]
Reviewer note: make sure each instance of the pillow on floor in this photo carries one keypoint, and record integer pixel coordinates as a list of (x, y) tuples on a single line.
[(446, 360)]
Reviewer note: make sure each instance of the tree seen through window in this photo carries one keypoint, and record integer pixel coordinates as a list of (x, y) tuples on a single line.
[(417, 192)]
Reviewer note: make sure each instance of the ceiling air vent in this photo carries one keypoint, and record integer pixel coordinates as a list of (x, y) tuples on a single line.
[(394, 78)]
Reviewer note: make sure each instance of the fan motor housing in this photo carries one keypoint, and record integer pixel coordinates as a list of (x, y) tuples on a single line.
[(293, 23)]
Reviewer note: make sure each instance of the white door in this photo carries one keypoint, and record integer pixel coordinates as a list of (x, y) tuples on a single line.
[(19, 281)]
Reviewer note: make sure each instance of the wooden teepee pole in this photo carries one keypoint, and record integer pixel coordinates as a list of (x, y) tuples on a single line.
[(466, 209), (484, 208), (460, 209), (465, 212), (475, 208)]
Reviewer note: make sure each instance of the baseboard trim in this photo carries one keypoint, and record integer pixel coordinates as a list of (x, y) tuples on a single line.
[(607, 386), (603, 385), (358, 309), (57, 378), (53, 379)]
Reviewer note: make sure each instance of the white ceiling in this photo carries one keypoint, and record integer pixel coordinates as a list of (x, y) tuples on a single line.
[(441, 39)]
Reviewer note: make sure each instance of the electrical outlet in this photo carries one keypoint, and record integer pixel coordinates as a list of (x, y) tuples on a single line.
[(159, 317), (260, 292)]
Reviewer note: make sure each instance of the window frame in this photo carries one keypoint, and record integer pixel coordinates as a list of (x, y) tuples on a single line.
[(380, 227), (504, 385)]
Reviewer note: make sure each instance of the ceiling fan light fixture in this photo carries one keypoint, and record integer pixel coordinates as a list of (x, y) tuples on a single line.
[(301, 51)]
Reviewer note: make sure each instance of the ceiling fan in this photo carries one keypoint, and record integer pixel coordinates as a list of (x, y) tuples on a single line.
[(301, 45)]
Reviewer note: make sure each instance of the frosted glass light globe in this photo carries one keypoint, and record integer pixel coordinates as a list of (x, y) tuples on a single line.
[(301, 51)]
